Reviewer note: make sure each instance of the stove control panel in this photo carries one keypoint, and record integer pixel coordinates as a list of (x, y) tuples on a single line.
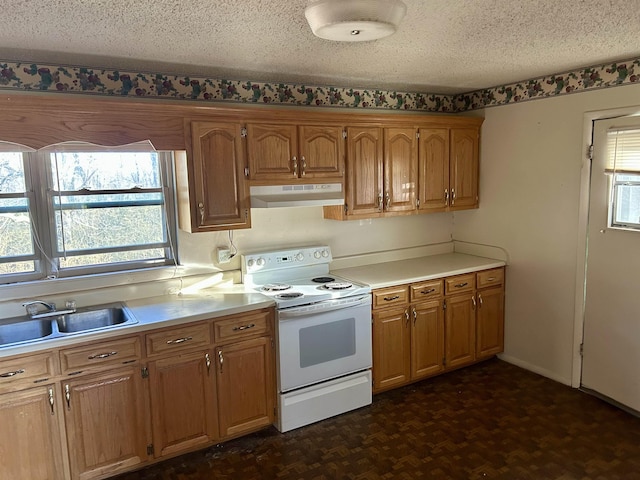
[(276, 260)]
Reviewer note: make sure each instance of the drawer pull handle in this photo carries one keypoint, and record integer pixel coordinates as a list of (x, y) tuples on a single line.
[(51, 401), (480, 299), (220, 359), (389, 299), (473, 300), (460, 285), (102, 355), (243, 327), (11, 374), (415, 316), (431, 290), (491, 279), (67, 396), (179, 340)]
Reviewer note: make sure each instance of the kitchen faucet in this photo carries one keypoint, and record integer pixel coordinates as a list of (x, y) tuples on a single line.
[(32, 308)]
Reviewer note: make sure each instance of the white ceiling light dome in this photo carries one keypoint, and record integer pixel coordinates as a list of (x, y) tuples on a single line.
[(354, 20)]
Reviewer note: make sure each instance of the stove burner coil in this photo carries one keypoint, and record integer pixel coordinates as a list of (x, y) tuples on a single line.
[(289, 295), (337, 285), (323, 279), (275, 287)]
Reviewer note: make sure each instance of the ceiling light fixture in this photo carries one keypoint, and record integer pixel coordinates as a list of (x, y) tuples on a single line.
[(354, 20)]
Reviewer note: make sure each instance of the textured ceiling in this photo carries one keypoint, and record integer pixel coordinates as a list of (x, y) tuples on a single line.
[(442, 46)]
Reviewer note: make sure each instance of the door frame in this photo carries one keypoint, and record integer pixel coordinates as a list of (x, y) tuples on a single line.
[(583, 226)]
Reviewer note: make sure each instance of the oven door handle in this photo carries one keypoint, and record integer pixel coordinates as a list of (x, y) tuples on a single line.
[(324, 306)]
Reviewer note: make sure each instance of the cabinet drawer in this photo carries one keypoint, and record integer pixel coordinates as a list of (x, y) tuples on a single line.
[(460, 283), (490, 278), (385, 297), (426, 290), (27, 369), (124, 350), (176, 339), (242, 326)]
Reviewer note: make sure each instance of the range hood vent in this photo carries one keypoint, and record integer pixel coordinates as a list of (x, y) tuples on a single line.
[(296, 195)]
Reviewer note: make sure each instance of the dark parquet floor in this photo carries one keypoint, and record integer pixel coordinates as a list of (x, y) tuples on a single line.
[(489, 421)]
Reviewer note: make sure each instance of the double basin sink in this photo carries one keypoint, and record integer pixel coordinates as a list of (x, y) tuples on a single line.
[(18, 330)]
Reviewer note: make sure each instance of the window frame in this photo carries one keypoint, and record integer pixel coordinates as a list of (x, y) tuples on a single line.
[(614, 183), (40, 195)]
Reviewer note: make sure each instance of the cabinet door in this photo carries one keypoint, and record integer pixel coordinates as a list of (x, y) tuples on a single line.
[(364, 170), (400, 169), (30, 444), (427, 339), (433, 167), (246, 386), (321, 152), (105, 418), (464, 168), (391, 348), (183, 403), (459, 330), (272, 152), (221, 194), (490, 322)]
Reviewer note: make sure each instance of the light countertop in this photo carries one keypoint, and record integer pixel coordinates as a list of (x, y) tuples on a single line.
[(158, 312), (419, 269)]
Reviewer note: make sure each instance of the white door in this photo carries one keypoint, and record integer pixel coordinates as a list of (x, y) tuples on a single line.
[(611, 358)]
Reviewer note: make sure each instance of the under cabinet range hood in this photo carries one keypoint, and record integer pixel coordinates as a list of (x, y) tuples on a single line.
[(296, 195)]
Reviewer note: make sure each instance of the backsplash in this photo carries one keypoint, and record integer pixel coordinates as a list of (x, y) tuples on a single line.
[(24, 76)]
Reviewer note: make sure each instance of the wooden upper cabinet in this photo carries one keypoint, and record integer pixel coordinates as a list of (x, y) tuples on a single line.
[(285, 153), (212, 191), (433, 177), (364, 184), (464, 168), (400, 169), (273, 151)]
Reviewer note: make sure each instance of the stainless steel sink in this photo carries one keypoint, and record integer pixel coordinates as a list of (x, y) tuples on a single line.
[(94, 318), (25, 329), (18, 330)]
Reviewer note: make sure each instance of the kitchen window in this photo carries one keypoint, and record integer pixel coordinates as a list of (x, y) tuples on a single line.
[(79, 210), (623, 168)]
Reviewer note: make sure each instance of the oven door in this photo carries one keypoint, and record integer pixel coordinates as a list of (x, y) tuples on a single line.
[(324, 340)]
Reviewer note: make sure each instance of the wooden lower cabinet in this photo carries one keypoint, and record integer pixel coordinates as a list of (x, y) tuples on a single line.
[(245, 381), (105, 421), (30, 443), (460, 320), (418, 332), (490, 322), (427, 339), (183, 402), (391, 348)]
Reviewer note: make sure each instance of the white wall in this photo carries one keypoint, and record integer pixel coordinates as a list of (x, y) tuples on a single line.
[(530, 181), (283, 227)]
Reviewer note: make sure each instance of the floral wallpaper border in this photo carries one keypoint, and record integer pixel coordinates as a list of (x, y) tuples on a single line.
[(94, 81)]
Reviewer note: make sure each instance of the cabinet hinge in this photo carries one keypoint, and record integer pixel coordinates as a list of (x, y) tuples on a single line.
[(344, 134), (418, 135), (581, 349), (590, 152), (150, 449), (444, 304), (246, 172), (273, 345), (346, 209), (243, 132), (145, 372), (246, 213)]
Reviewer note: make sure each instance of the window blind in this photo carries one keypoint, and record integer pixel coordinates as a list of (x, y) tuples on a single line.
[(623, 151)]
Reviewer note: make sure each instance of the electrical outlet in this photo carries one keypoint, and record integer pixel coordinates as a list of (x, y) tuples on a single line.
[(224, 255)]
